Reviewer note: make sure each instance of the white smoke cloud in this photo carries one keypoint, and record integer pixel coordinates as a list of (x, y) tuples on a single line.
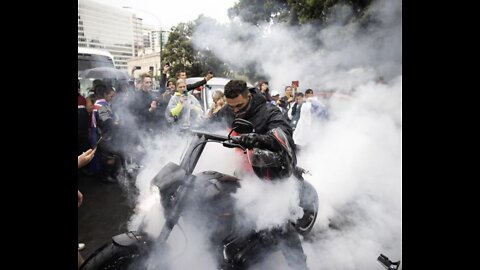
[(268, 204), (356, 168), (318, 58), (161, 149), (354, 157)]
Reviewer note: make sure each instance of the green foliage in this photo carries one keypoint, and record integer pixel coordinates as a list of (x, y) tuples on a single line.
[(259, 11), (292, 12), (178, 50), (180, 53)]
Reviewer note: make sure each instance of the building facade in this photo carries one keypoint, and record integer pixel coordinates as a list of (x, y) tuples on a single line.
[(146, 63), (109, 28)]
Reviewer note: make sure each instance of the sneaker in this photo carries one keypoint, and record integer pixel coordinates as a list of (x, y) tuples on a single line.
[(81, 246)]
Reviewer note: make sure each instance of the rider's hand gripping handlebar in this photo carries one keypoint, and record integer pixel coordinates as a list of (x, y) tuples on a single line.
[(235, 141)]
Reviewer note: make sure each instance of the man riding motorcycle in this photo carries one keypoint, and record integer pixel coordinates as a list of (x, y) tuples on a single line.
[(272, 155), (271, 130)]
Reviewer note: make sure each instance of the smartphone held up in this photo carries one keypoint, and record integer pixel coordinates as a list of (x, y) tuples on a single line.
[(96, 144)]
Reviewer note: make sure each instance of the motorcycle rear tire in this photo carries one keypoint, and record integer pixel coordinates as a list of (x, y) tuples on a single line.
[(113, 256), (309, 203)]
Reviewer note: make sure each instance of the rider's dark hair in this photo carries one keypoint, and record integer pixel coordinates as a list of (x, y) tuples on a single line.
[(236, 87)]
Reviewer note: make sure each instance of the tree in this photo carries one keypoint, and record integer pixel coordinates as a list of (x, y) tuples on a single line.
[(260, 11), (292, 12), (178, 50), (181, 54)]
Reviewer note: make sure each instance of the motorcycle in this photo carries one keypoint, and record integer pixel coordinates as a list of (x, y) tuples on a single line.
[(179, 187)]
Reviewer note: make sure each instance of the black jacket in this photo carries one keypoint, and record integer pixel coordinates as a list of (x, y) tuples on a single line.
[(264, 116), (196, 84), (139, 107)]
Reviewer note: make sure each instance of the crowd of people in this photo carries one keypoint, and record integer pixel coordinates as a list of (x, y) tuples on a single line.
[(115, 116), (120, 114)]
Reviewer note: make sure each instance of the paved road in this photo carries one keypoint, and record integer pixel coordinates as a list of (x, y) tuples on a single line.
[(104, 212)]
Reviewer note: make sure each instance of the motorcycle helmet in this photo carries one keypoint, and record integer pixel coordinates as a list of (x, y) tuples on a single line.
[(269, 165)]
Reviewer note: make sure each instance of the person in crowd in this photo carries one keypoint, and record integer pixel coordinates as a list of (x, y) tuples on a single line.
[(218, 101), (287, 100), (318, 109), (197, 93), (277, 101), (295, 110), (182, 74), (143, 106), (107, 127), (85, 157), (83, 123), (183, 109), (92, 91), (163, 78), (313, 112), (309, 94), (163, 98), (265, 91)]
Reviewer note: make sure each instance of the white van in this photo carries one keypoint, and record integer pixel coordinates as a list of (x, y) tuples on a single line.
[(89, 58)]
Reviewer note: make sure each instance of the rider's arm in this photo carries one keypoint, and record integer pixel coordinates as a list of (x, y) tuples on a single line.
[(263, 141), (277, 120)]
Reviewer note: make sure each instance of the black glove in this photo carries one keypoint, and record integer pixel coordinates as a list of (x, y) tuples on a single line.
[(250, 140)]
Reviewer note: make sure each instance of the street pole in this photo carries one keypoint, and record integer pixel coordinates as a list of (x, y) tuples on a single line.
[(161, 47)]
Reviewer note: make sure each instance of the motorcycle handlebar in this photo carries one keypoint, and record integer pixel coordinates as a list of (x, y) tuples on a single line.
[(234, 141), (210, 136)]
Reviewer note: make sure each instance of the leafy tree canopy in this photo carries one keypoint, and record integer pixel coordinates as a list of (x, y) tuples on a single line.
[(293, 12)]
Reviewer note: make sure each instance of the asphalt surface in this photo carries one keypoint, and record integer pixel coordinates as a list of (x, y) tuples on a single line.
[(105, 212)]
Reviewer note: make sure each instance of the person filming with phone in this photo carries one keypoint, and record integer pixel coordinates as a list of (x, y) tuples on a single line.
[(183, 110)]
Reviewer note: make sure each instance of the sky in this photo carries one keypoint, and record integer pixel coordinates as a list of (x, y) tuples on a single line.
[(170, 13)]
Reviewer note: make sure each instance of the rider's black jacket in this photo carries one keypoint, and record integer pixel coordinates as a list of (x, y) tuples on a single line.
[(263, 115)]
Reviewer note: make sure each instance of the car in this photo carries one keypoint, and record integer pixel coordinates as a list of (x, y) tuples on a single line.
[(216, 83)]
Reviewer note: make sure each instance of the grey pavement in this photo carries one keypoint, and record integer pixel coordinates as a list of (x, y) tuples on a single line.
[(104, 212)]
